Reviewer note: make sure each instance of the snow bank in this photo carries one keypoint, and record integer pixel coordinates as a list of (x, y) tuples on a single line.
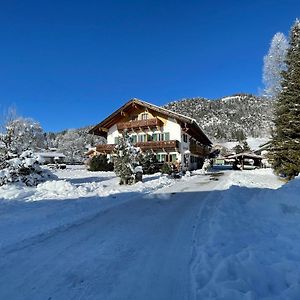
[(58, 189), (27, 212), (250, 248)]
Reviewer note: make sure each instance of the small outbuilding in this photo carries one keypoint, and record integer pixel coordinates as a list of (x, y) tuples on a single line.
[(51, 157), (247, 160)]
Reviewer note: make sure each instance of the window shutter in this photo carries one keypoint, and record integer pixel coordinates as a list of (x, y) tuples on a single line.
[(133, 139), (166, 136)]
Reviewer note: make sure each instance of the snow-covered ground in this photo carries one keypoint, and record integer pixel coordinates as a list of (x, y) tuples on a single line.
[(227, 235)]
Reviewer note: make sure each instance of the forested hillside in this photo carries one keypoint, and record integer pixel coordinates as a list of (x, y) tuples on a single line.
[(229, 118)]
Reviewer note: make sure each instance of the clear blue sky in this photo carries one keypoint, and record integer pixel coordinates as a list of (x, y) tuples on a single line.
[(70, 63)]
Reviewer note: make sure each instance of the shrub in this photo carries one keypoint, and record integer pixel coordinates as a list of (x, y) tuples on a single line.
[(166, 169), (149, 163), (24, 169), (100, 163)]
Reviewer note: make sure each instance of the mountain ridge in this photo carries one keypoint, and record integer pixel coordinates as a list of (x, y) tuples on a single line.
[(230, 118)]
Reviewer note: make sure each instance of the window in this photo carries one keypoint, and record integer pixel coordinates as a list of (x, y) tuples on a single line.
[(134, 139), (173, 157), (142, 138), (185, 138), (162, 157), (156, 137), (134, 118), (145, 116), (149, 137), (166, 136)]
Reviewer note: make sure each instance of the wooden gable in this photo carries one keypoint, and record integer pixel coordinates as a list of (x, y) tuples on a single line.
[(135, 107)]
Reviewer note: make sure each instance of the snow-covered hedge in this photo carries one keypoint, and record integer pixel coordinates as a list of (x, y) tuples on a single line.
[(24, 169)]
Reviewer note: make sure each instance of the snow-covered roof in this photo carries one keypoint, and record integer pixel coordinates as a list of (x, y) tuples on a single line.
[(51, 154), (245, 155)]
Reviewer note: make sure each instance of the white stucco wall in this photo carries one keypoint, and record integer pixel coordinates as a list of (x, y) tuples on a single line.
[(174, 129), (112, 133)]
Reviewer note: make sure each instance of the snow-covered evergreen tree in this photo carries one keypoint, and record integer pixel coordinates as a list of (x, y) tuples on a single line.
[(24, 169), (125, 159), (20, 134), (285, 147), (274, 64)]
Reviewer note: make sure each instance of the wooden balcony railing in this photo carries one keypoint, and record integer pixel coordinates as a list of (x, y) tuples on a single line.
[(151, 145), (159, 145), (105, 148), (153, 122), (198, 149)]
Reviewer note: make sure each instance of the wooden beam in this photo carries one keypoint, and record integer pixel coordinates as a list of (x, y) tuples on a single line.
[(103, 129)]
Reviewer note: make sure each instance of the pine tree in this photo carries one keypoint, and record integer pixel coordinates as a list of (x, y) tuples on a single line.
[(125, 159), (246, 147), (285, 146), (238, 149)]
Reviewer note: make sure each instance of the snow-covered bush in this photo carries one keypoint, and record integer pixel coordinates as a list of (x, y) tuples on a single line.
[(206, 165), (125, 159), (24, 169)]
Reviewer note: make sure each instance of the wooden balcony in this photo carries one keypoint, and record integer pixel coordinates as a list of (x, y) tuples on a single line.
[(172, 145), (105, 148), (198, 149), (159, 145), (136, 124)]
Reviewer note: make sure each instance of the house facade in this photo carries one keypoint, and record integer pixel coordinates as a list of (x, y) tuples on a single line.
[(169, 135)]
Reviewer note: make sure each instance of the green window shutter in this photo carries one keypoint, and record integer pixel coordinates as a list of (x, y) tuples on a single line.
[(166, 136), (173, 157), (133, 139), (116, 140), (154, 137), (142, 138)]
